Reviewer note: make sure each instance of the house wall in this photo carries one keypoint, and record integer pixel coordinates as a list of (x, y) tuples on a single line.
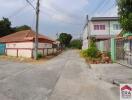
[(99, 32), (109, 30), (44, 49), (26, 49), (85, 40), (44, 45), (20, 45), (23, 49), (112, 31)]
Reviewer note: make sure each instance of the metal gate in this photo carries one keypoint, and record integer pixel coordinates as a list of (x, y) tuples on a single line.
[(124, 51), (2, 49)]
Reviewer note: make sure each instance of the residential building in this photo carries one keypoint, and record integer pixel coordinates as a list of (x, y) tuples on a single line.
[(22, 44), (102, 28)]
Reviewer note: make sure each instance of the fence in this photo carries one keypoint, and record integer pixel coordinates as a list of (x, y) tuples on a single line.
[(124, 51), (2, 49), (29, 52)]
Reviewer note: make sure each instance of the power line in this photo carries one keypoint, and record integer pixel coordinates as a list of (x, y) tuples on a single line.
[(102, 4), (64, 22), (109, 7), (98, 7), (19, 10), (31, 4), (94, 11)]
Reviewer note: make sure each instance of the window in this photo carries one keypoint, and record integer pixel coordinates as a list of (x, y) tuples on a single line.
[(96, 27), (102, 27), (116, 27), (99, 27)]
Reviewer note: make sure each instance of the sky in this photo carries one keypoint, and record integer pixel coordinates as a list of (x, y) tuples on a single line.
[(57, 16)]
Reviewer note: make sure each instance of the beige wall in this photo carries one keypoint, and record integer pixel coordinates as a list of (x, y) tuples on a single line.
[(25, 53), (11, 52), (21, 53), (25, 49), (13, 48)]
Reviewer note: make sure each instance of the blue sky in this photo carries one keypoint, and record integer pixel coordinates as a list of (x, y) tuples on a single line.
[(57, 15)]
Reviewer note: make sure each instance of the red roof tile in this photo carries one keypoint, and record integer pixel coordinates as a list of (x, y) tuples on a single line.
[(23, 36)]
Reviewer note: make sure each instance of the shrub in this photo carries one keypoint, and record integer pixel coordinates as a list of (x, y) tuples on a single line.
[(109, 54), (84, 53), (92, 51), (39, 55)]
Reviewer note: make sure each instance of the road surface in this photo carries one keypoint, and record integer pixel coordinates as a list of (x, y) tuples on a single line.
[(65, 77)]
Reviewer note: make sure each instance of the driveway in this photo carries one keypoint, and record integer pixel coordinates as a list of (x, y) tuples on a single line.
[(66, 77)]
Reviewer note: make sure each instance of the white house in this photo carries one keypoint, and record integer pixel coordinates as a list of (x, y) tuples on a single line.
[(102, 28), (22, 44)]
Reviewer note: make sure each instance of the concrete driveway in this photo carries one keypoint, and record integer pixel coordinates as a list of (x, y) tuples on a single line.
[(66, 77)]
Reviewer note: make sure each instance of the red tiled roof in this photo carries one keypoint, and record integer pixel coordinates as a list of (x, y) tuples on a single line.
[(23, 36)]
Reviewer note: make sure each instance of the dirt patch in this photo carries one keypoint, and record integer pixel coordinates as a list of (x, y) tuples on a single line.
[(26, 60)]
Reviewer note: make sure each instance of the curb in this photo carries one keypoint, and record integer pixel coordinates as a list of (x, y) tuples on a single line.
[(124, 65)]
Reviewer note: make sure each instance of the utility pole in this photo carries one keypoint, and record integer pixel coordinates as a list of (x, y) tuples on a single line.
[(37, 28), (87, 27)]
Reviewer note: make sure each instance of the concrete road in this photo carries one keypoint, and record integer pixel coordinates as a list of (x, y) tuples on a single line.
[(19, 81), (113, 72), (66, 77), (79, 82)]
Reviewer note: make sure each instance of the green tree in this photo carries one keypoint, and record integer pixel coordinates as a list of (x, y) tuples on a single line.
[(76, 44), (125, 13), (21, 28), (65, 39), (5, 27)]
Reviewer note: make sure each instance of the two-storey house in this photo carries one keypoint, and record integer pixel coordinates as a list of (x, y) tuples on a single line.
[(102, 28)]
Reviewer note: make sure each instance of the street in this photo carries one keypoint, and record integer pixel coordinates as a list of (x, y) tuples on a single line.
[(65, 77)]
